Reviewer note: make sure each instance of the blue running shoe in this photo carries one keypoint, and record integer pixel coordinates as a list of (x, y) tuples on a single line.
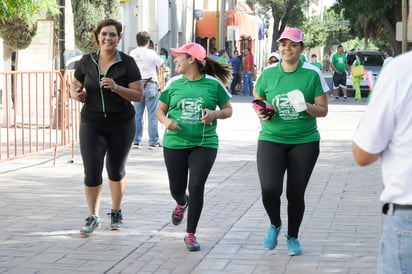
[(293, 247), (91, 223), (271, 239)]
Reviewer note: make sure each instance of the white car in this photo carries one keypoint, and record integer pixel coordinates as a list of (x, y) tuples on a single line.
[(72, 62), (373, 61)]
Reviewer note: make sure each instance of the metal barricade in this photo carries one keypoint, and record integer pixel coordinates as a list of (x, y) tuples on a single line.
[(36, 114)]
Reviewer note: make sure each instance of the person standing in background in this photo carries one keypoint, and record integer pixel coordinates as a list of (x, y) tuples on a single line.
[(385, 133), (273, 58), (357, 80), (339, 66), (314, 61), (106, 82), (248, 73), (222, 59), (236, 62), (148, 62), (189, 108), (213, 53)]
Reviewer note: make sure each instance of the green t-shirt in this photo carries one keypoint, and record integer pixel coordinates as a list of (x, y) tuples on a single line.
[(288, 126), (339, 61), (186, 100), (317, 64)]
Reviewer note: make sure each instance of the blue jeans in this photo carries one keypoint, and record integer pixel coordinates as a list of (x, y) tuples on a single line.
[(247, 83), (396, 244), (151, 102)]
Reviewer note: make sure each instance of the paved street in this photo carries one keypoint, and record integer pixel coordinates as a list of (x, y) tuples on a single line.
[(43, 208)]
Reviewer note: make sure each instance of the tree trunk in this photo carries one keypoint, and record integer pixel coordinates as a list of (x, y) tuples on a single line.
[(396, 45)]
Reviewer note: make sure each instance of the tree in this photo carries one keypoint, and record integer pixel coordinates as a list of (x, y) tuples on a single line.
[(18, 20), (87, 14), (369, 19), (284, 13)]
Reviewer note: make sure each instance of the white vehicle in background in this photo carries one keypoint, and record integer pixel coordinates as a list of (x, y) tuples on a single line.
[(373, 61), (72, 62)]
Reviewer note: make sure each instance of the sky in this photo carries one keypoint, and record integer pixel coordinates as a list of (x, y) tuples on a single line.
[(328, 3)]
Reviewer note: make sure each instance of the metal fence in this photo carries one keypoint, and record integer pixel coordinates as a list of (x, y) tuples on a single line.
[(36, 113)]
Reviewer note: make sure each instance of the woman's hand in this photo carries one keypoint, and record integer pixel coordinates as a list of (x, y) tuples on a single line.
[(261, 114), (171, 125), (77, 91), (109, 83), (208, 116)]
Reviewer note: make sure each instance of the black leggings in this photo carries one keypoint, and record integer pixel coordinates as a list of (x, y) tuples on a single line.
[(197, 163), (112, 141), (273, 159)]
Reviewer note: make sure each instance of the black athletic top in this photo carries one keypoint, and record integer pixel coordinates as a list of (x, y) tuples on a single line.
[(102, 105)]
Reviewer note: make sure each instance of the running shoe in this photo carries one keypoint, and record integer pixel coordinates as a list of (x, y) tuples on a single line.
[(154, 146), (271, 239), (191, 242), (293, 247), (179, 212), (91, 223), (116, 219)]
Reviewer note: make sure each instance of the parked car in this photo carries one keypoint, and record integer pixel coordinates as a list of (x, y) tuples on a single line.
[(72, 62), (373, 61)]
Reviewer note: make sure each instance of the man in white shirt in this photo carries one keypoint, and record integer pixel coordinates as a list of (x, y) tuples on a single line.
[(148, 62), (385, 132)]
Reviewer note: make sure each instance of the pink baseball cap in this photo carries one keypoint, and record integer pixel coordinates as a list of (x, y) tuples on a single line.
[(293, 34), (192, 49)]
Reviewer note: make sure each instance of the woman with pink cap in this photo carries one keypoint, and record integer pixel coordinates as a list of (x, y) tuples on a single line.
[(288, 140), (189, 108)]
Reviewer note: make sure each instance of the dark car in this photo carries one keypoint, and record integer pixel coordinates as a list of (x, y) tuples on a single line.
[(373, 61)]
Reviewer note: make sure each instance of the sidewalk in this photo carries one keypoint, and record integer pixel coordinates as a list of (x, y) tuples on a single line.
[(43, 208)]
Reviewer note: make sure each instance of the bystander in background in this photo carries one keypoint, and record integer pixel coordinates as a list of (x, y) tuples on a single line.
[(385, 133), (148, 62)]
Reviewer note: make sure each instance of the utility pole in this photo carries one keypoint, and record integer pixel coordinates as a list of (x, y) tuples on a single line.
[(222, 24), (62, 42), (404, 26), (217, 25)]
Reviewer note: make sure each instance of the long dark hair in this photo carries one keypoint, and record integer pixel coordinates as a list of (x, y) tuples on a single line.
[(360, 57), (216, 69)]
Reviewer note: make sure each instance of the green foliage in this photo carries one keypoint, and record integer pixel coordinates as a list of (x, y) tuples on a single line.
[(338, 30), (18, 20), (27, 10), (284, 13), (372, 20), (316, 32), (87, 14), (16, 33)]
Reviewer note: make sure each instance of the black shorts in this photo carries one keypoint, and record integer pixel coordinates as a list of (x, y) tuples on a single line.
[(339, 80)]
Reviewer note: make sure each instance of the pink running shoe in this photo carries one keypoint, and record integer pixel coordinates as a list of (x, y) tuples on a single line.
[(191, 242)]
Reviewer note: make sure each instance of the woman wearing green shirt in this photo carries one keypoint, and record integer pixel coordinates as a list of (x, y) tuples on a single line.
[(188, 110), (288, 141)]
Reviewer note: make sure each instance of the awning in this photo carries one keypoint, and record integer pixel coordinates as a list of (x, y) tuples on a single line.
[(248, 25)]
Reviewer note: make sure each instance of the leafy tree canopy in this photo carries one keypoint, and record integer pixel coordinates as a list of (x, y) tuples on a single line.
[(284, 13), (18, 20), (373, 20), (87, 14)]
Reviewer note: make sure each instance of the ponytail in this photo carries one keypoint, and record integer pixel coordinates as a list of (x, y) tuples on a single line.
[(216, 69)]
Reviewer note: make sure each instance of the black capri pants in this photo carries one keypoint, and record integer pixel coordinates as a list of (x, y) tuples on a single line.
[(110, 140), (273, 159), (196, 163)]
